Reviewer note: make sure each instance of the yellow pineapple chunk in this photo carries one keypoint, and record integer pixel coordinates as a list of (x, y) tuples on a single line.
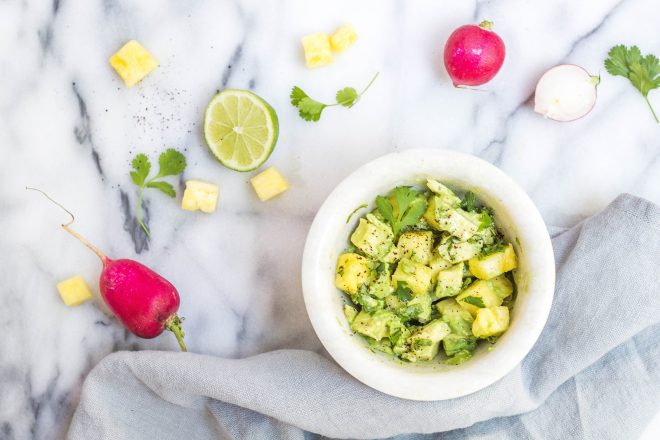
[(491, 321), (200, 196), (74, 291), (353, 270), (317, 49), (133, 62), (269, 183), (343, 38), (495, 264)]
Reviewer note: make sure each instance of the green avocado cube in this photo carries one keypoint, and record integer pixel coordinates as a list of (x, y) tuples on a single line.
[(449, 281), (416, 246), (373, 237)]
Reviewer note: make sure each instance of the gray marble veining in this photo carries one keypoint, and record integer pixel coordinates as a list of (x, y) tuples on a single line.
[(69, 126)]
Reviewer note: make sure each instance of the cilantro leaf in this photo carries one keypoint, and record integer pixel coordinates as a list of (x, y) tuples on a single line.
[(643, 72), (310, 109), (419, 343), (163, 186), (347, 97), (410, 206), (142, 166), (474, 300), (469, 202), (296, 95), (171, 163), (403, 292), (486, 220)]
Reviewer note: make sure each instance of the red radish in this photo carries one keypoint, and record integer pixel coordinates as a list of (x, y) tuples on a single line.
[(565, 93), (145, 302), (474, 54)]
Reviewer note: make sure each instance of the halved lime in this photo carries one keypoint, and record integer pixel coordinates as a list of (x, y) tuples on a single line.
[(240, 129)]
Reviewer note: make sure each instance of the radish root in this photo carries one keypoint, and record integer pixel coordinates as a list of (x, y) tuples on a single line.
[(67, 228)]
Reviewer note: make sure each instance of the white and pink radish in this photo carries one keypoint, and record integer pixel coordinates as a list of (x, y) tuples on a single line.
[(474, 54), (145, 302), (565, 93)]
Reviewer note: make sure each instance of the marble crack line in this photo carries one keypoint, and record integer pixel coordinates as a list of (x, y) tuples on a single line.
[(45, 34), (233, 61), (594, 29), (82, 131), (131, 225)]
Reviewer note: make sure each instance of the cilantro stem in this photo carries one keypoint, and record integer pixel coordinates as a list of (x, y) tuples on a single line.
[(370, 83), (646, 98), (139, 212)]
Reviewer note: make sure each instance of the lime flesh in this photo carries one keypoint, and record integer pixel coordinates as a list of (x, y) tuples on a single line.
[(241, 129)]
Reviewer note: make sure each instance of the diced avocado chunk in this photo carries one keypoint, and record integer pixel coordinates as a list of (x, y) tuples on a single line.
[(368, 302), (437, 263), (392, 256), (494, 264), (384, 345), (381, 286), (491, 321), (459, 320), (449, 281), (416, 246), (373, 237), (415, 275), (456, 221), (485, 293), (458, 348), (350, 313), (375, 325), (418, 308), (455, 251), (425, 342), (445, 194), (353, 270)]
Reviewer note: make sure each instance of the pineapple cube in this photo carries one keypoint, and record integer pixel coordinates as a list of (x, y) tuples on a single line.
[(343, 38), (495, 264), (200, 196), (133, 62), (317, 49), (268, 184), (74, 291), (491, 321), (353, 270)]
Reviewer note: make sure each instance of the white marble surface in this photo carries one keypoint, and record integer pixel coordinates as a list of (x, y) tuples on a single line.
[(68, 125)]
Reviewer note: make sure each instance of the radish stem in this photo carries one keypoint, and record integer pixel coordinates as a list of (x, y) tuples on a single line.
[(174, 325)]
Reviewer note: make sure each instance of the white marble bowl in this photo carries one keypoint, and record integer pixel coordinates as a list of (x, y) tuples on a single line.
[(515, 215)]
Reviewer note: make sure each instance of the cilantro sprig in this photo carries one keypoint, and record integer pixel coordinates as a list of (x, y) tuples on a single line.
[(170, 163), (642, 71), (310, 109), (410, 206), (475, 301)]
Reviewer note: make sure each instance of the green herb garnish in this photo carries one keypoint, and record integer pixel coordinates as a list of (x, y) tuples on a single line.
[(474, 300), (642, 71), (310, 110), (350, 216), (403, 292), (410, 206), (170, 163), (469, 202)]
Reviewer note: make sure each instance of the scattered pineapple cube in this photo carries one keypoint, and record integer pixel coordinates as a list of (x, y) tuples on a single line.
[(200, 196), (495, 264), (269, 183), (317, 49), (343, 38), (74, 291), (133, 62), (491, 321)]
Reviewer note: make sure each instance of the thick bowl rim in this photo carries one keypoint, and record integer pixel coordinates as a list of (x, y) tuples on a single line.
[(401, 380)]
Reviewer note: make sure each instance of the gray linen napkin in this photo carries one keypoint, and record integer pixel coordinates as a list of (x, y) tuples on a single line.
[(594, 373)]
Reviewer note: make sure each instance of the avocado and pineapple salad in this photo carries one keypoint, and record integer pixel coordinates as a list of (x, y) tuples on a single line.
[(427, 268)]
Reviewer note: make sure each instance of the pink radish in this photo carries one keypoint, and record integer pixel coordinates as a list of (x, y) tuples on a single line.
[(474, 54), (145, 302), (565, 93)]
